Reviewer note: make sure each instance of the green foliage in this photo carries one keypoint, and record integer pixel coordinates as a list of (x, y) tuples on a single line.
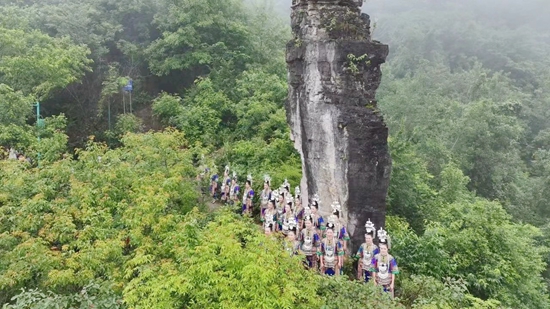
[(81, 220), (128, 123), (167, 107), (179, 41), (467, 91), (468, 94), (112, 86), (507, 252), (14, 105), (537, 191), (93, 295), (342, 293), (199, 34), (53, 140), (356, 62), (245, 158), (269, 33), (465, 96), (259, 96), (453, 185), (227, 263), (127, 214), (410, 193), (32, 66), (37, 64), (424, 292), (476, 242), (19, 137), (51, 145), (247, 122), (202, 113)]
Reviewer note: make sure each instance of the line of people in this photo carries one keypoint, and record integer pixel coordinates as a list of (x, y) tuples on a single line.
[(322, 241), (12, 154)]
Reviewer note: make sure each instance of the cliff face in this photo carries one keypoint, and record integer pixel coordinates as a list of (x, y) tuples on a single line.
[(333, 72)]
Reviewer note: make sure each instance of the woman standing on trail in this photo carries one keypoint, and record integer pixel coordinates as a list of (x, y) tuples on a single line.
[(318, 220), (214, 186), (288, 219), (226, 185), (285, 188), (265, 195), (283, 194), (234, 190), (248, 194), (384, 266), (280, 205), (340, 230), (339, 227), (298, 208), (270, 217), (309, 241), (331, 253), (366, 252), (291, 244)]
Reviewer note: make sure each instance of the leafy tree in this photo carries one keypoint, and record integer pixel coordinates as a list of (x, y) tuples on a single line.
[(197, 35), (128, 123), (202, 112), (341, 293), (410, 192), (168, 108), (259, 95), (426, 292), (81, 220), (93, 295), (226, 263), (477, 243), (14, 105), (37, 64)]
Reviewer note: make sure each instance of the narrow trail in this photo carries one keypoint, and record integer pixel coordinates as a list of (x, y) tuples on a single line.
[(212, 206)]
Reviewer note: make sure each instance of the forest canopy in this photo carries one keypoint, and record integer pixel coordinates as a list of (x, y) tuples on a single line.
[(108, 211)]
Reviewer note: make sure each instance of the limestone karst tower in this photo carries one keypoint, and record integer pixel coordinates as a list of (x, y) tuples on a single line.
[(333, 72)]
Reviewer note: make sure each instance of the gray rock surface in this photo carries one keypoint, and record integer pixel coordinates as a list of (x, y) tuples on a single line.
[(333, 73)]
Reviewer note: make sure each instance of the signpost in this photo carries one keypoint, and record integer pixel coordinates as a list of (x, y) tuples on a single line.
[(39, 125), (128, 89)]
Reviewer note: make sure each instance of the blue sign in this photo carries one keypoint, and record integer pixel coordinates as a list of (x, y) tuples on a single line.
[(129, 86)]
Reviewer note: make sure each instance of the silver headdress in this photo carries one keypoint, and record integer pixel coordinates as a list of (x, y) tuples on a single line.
[(315, 200), (235, 175), (267, 179), (292, 224), (227, 169), (369, 228), (297, 191), (307, 211), (249, 178), (290, 201), (274, 195), (286, 185), (384, 238), (336, 207)]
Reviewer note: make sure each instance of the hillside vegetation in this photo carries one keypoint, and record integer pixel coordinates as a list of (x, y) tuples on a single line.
[(108, 214)]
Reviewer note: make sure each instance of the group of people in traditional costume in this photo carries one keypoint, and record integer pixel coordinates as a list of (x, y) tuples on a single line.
[(323, 243), (375, 262)]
